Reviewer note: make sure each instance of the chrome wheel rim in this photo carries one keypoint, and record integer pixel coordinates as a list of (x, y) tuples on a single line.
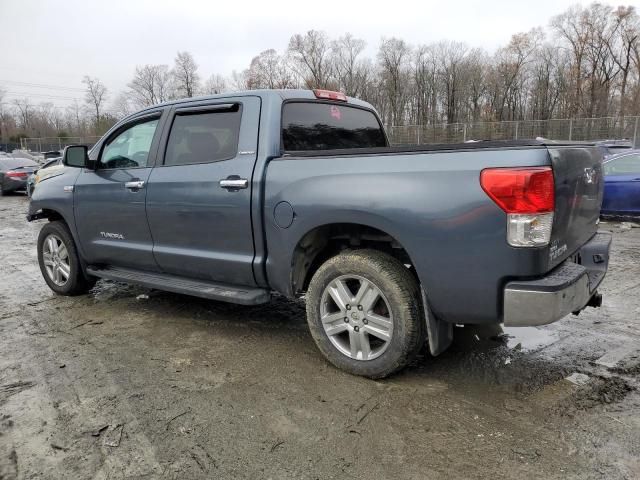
[(55, 257), (356, 317)]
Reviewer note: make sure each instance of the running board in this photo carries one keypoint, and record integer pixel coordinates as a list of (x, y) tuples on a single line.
[(186, 286)]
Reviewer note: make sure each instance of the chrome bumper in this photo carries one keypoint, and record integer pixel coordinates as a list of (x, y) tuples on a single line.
[(566, 289)]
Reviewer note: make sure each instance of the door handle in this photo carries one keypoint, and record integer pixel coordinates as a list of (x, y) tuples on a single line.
[(234, 183), (134, 185)]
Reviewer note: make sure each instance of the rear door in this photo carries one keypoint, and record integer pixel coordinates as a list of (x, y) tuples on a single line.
[(622, 185), (199, 197), (109, 202)]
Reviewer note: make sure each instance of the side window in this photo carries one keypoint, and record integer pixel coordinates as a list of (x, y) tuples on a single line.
[(130, 148), (627, 165), (203, 137)]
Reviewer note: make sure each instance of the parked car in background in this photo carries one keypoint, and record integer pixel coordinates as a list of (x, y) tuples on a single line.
[(48, 169), (613, 147), (622, 184), (14, 173), (51, 154)]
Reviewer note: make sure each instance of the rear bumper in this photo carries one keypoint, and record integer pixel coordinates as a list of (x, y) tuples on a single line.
[(566, 289)]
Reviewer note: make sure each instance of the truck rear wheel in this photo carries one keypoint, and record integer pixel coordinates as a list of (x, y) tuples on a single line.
[(364, 313), (59, 261)]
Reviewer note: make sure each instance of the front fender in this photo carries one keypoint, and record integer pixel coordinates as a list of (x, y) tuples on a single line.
[(51, 198)]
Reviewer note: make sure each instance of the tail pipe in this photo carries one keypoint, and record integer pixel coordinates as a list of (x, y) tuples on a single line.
[(595, 301)]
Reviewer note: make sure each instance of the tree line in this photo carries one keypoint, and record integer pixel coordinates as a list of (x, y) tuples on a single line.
[(585, 63)]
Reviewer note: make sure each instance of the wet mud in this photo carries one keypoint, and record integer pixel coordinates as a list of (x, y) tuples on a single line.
[(126, 382)]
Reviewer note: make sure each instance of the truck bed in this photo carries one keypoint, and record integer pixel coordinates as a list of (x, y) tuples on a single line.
[(429, 199)]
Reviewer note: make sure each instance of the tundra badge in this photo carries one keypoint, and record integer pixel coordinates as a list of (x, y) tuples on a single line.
[(116, 236)]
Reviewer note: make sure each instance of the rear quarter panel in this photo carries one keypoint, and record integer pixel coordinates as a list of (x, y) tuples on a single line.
[(431, 203)]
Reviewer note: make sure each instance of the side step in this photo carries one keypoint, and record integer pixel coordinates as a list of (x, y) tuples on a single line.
[(187, 286)]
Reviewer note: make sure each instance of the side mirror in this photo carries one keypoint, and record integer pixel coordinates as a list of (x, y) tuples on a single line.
[(76, 156)]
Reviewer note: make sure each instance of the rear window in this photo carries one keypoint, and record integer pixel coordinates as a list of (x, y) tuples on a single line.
[(329, 126)]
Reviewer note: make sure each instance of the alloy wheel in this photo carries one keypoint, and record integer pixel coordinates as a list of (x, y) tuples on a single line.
[(55, 257), (356, 317)]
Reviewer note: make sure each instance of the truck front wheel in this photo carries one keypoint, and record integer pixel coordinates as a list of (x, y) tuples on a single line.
[(364, 313), (59, 261)]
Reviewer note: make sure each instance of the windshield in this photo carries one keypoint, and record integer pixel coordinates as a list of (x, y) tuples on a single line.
[(329, 126)]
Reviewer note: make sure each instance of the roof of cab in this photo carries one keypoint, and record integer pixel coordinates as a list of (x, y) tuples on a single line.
[(284, 94)]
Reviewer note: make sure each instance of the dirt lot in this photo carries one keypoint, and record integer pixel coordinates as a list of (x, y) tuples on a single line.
[(116, 384)]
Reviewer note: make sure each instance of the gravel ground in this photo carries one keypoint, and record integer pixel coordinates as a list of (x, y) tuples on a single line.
[(131, 383)]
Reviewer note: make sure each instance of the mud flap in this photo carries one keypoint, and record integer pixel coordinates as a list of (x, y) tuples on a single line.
[(439, 332)]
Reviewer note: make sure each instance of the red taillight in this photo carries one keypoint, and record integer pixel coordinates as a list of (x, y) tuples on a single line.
[(520, 190), (329, 95), (14, 174)]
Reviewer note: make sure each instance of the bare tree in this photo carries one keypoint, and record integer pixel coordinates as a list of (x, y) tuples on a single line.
[(570, 27), (621, 46), (75, 118), (121, 106), (151, 84), (216, 84), (185, 75), (310, 58), (269, 70), (95, 95), (240, 80), (349, 70), (393, 58), (511, 74), (25, 111)]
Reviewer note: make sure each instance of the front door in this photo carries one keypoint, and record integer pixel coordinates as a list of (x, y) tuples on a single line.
[(109, 202), (199, 198)]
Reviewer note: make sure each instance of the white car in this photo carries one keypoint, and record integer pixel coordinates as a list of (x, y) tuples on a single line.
[(51, 168)]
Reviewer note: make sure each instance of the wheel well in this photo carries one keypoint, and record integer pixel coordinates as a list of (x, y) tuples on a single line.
[(52, 215), (324, 242)]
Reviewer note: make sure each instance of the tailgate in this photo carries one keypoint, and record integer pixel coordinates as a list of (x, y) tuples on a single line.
[(579, 187)]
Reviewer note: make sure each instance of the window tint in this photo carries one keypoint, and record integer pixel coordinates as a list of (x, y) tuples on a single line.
[(324, 126), (130, 148), (627, 165), (203, 137)]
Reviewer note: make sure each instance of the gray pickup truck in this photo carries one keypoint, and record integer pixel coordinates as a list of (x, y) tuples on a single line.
[(233, 197)]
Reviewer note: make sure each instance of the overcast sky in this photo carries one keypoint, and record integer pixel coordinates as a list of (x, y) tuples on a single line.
[(58, 42)]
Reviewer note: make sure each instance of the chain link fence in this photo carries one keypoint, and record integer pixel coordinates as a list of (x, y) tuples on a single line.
[(579, 129), (46, 144), (605, 128)]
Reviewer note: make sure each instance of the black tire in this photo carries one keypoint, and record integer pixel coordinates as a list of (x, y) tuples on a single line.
[(401, 293), (76, 283)]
